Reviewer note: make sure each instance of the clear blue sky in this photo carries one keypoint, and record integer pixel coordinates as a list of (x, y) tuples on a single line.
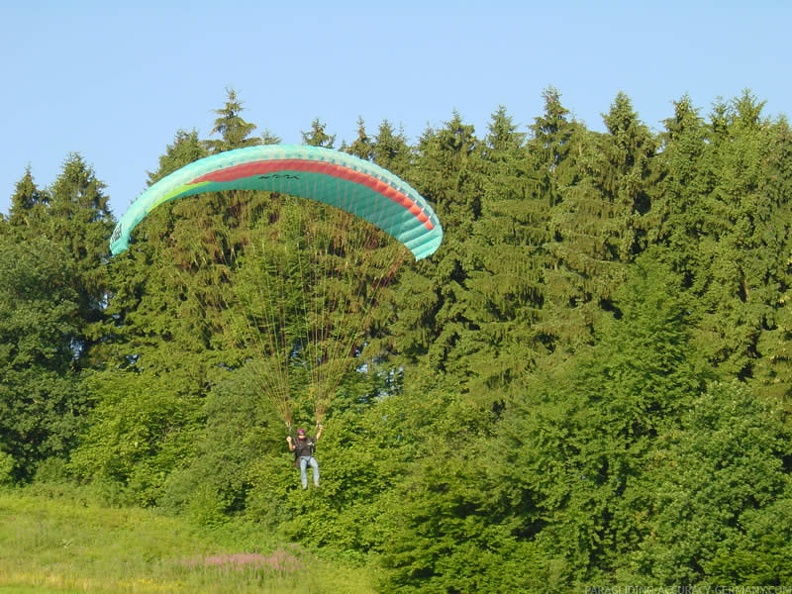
[(115, 81)]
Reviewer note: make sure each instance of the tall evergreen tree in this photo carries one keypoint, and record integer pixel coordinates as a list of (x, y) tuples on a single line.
[(506, 258), (318, 136), (362, 145), (392, 151), (41, 405), (447, 175), (137, 274), (80, 220), (773, 369), (552, 147), (186, 256), (599, 225), (741, 268), (186, 148), (28, 206), (234, 131), (553, 151), (686, 178), (556, 149), (625, 178)]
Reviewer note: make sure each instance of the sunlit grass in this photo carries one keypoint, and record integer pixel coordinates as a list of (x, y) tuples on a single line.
[(56, 544)]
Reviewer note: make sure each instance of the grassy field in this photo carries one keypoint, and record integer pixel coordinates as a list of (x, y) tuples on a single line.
[(51, 543)]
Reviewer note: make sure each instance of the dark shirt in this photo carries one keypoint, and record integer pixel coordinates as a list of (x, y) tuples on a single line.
[(304, 447)]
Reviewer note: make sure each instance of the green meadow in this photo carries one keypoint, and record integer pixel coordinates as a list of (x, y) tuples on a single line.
[(56, 543)]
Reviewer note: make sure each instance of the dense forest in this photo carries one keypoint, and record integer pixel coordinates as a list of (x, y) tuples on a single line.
[(588, 384)]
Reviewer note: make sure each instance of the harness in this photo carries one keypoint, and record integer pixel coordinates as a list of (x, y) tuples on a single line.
[(301, 448)]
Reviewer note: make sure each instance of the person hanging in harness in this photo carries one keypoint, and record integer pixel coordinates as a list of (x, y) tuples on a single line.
[(304, 449)]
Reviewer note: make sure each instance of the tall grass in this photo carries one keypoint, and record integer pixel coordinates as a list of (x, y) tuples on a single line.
[(54, 543)]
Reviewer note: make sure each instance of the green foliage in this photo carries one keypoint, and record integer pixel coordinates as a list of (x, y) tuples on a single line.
[(40, 403), (141, 429), (28, 205), (213, 483), (318, 136), (586, 384), (39, 314), (717, 484), (6, 468), (186, 148), (234, 131), (581, 434)]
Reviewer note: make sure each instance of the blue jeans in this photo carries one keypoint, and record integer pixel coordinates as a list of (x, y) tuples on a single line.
[(305, 461)]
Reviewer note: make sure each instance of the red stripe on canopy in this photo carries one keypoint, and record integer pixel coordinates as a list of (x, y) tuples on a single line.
[(254, 168)]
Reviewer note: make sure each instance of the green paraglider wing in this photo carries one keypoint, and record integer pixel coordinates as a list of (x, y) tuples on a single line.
[(325, 175)]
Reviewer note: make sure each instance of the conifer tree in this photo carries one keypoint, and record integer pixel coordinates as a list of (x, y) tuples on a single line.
[(686, 178), (318, 136), (625, 178), (188, 251), (143, 272), (78, 219), (28, 206), (391, 150), (556, 149), (773, 369), (506, 258), (186, 148), (169, 303), (41, 406), (434, 300), (233, 130), (552, 147), (599, 226), (362, 145), (741, 266)]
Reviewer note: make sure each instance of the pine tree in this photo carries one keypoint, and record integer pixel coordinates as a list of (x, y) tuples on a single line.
[(773, 369), (362, 145), (318, 136), (686, 178), (625, 178), (78, 219), (506, 257), (28, 206), (556, 149), (42, 408), (187, 254), (392, 151), (169, 302), (233, 130), (434, 298), (740, 267), (552, 147), (186, 148)]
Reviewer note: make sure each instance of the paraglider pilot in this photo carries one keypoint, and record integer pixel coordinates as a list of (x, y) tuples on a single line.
[(304, 449)]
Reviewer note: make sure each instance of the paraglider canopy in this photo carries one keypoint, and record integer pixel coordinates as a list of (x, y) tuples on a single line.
[(325, 175), (297, 298)]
